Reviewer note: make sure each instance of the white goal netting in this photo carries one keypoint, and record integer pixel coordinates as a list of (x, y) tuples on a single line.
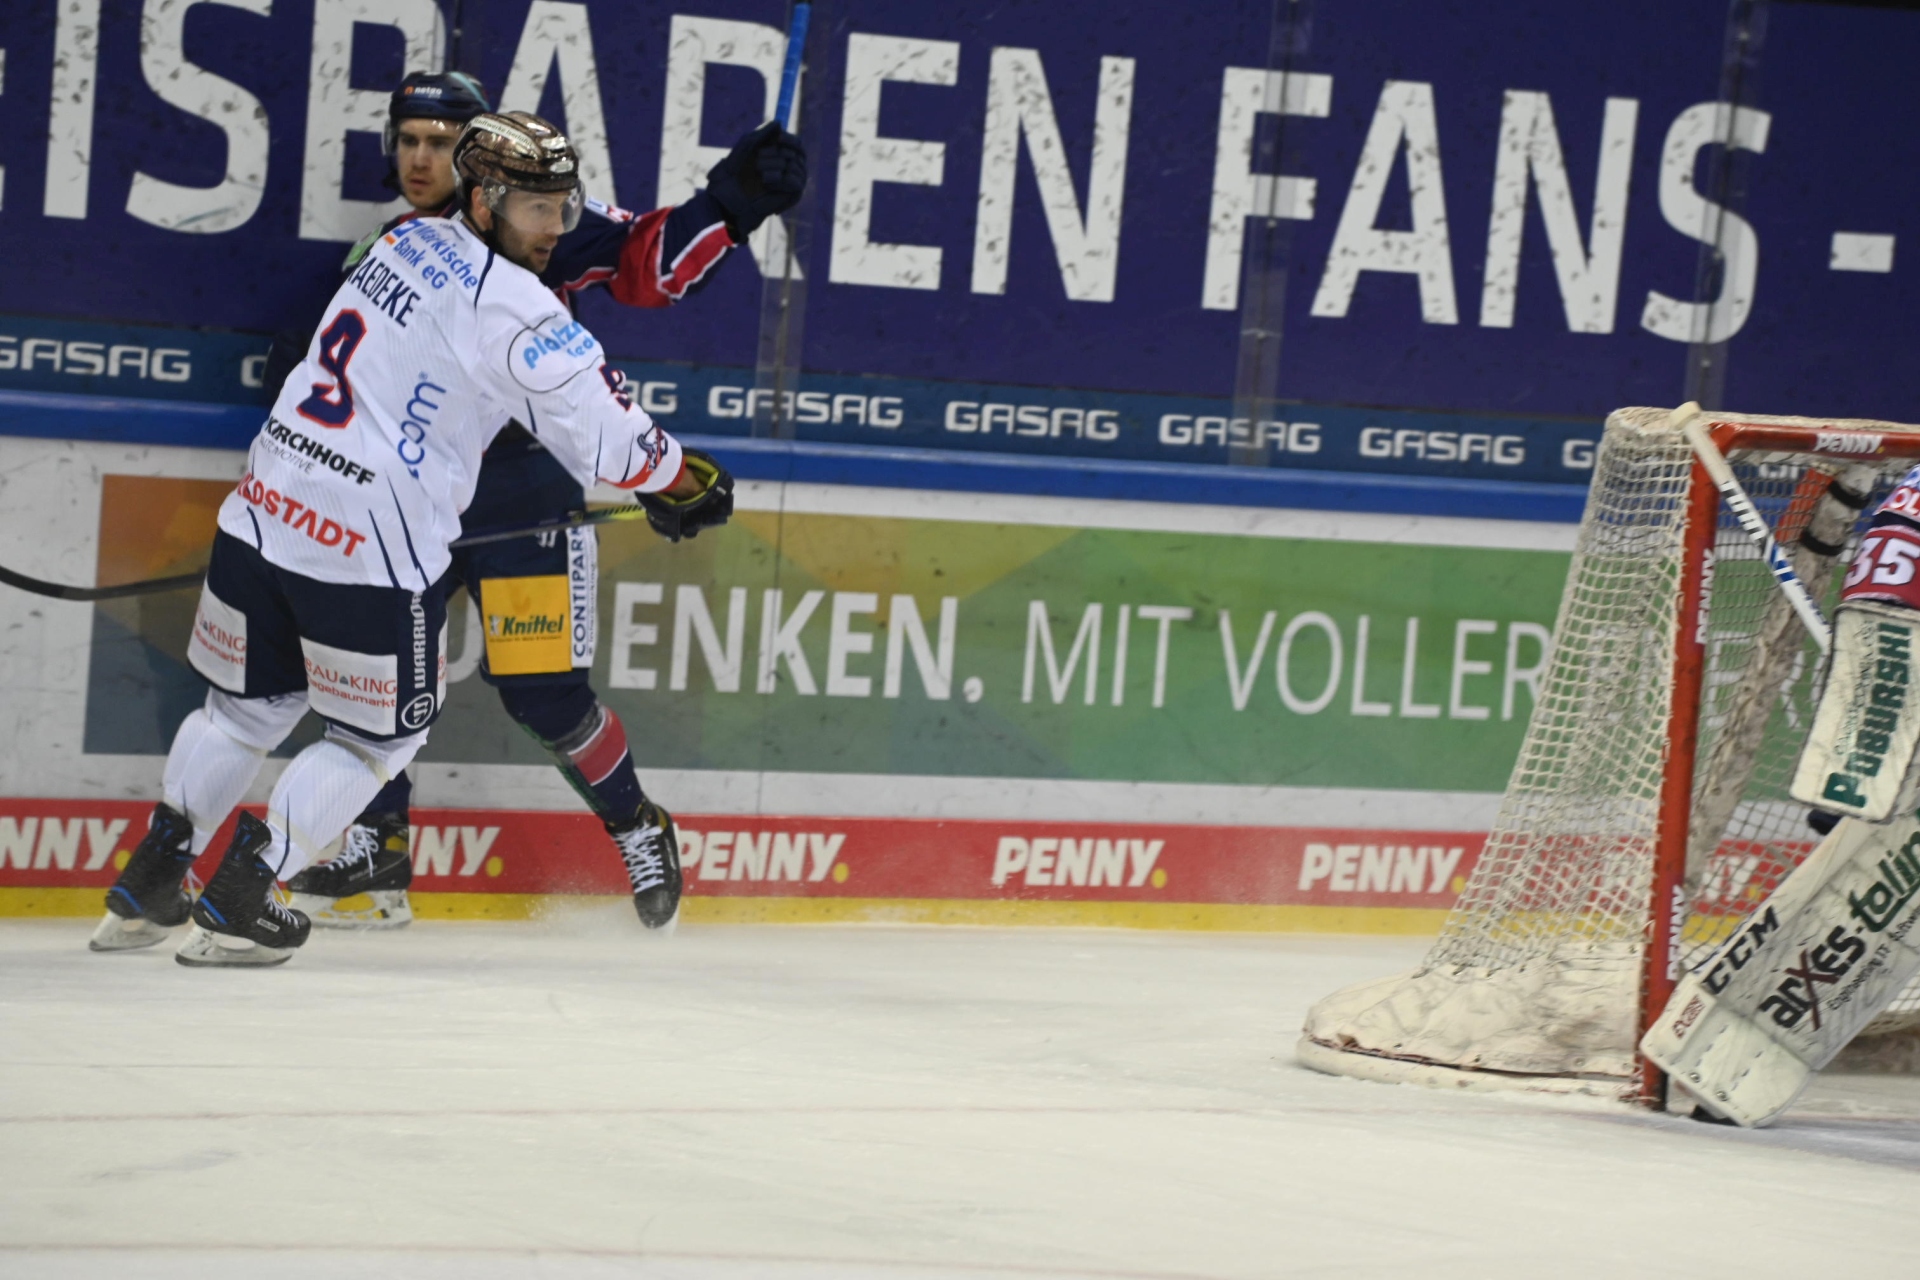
[(1536, 974)]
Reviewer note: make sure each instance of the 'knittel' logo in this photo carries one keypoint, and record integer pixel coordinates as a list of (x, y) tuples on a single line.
[(1887, 698), (506, 627)]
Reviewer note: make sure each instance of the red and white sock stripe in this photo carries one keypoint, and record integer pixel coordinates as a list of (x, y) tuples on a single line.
[(602, 752)]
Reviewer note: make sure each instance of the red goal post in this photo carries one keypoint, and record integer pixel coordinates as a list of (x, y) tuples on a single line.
[(1647, 812)]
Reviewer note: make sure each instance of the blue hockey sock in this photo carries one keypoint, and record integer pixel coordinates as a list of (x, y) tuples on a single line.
[(587, 743)]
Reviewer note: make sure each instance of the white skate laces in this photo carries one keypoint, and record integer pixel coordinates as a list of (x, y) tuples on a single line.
[(279, 905), (362, 843), (644, 850)]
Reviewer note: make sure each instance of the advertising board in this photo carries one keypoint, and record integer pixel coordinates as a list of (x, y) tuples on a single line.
[(955, 698), (1027, 227)]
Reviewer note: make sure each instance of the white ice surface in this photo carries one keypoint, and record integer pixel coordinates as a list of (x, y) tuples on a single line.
[(570, 1100)]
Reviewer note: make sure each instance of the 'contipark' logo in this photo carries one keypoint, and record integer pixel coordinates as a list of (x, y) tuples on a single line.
[(506, 627), (1886, 701)]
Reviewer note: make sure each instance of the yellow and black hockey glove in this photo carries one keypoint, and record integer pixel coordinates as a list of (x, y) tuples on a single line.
[(677, 518)]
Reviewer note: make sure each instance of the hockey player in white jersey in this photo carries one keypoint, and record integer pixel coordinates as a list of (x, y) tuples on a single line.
[(326, 589), (654, 259)]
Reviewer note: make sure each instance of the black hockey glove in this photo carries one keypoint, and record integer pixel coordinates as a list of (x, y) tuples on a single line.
[(677, 518), (764, 174)]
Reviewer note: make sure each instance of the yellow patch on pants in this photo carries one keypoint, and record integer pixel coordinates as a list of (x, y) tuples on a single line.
[(528, 625)]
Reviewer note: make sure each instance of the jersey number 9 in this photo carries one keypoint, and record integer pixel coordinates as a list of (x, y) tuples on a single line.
[(332, 406)]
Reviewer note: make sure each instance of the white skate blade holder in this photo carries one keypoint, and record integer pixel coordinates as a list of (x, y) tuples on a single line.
[(204, 949), (375, 909), (116, 934), (1818, 960)]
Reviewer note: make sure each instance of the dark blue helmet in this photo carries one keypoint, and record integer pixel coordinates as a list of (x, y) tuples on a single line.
[(449, 95)]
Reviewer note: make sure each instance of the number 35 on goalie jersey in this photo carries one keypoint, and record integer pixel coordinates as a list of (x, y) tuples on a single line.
[(1886, 568), (373, 446)]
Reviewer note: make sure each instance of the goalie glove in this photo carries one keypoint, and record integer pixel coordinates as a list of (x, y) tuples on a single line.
[(764, 174), (677, 518)]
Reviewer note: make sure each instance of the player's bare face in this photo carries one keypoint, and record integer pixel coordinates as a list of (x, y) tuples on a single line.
[(532, 250), (528, 224), (423, 156)]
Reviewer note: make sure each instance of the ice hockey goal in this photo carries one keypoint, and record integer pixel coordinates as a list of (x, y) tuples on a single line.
[(1648, 810)]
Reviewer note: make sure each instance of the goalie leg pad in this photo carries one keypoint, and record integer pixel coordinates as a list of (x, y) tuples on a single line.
[(1860, 754), (1818, 960)]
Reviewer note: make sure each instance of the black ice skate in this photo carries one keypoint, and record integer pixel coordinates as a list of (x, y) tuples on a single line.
[(651, 851), (148, 900), (237, 920), (366, 886)]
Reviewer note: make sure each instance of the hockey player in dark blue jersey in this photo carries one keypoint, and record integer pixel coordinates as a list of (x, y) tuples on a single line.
[(645, 260)]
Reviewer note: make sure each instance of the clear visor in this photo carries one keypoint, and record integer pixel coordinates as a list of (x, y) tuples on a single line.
[(537, 213)]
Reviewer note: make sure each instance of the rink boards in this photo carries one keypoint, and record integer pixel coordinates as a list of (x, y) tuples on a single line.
[(58, 857), (1108, 712)]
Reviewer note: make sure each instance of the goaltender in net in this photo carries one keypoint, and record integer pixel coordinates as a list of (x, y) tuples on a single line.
[(1839, 940)]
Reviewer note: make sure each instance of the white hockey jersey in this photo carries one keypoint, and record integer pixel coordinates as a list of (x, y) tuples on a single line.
[(431, 345)]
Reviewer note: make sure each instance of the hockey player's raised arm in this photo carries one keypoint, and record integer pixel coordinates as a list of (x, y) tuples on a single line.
[(655, 259), (644, 260)]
